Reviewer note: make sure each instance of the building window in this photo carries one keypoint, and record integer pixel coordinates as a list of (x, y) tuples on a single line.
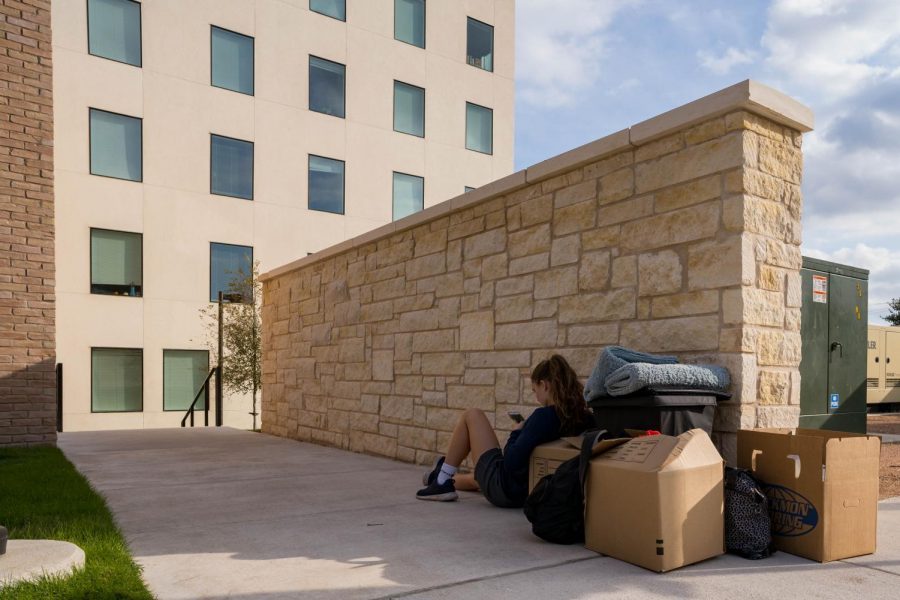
[(116, 145), (326, 184), (231, 60), (230, 266), (114, 30), (409, 195), (479, 128), (480, 45), (184, 371), (409, 22), (117, 380), (331, 8), (326, 86), (468, 189), (409, 109), (116, 263), (231, 167)]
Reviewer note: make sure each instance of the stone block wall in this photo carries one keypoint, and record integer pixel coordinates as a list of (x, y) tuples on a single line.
[(27, 314), (680, 235)]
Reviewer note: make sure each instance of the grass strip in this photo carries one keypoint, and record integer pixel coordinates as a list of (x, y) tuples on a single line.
[(43, 496)]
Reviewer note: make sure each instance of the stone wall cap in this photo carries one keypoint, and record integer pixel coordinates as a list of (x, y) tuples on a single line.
[(748, 95)]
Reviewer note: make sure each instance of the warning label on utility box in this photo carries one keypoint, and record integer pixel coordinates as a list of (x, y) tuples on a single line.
[(820, 289)]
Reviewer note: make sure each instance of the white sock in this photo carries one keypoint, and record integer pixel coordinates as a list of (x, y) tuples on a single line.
[(446, 473)]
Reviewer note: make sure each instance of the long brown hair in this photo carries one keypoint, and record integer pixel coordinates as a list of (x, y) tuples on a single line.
[(566, 391)]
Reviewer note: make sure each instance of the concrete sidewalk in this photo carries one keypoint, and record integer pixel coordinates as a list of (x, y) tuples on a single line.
[(222, 513)]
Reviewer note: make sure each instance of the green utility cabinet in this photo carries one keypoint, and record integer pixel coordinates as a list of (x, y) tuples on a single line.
[(834, 341)]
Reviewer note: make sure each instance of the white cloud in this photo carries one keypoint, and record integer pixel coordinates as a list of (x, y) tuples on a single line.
[(884, 272), (559, 49), (720, 65)]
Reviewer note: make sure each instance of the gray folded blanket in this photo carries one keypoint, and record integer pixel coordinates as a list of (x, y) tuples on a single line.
[(613, 358), (633, 377)]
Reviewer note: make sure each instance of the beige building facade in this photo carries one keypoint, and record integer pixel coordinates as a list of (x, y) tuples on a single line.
[(149, 212)]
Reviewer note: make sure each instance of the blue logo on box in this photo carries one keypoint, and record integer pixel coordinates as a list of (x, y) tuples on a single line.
[(835, 401), (792, 514)]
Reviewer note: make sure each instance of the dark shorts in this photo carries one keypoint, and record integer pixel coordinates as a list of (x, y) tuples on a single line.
[(489, 475)]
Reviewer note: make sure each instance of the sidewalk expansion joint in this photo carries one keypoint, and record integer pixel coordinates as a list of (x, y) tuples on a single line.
[(488, 577)]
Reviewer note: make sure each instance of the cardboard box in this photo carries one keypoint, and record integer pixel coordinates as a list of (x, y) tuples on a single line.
[(822, 488), (546, 458), (657, 501)]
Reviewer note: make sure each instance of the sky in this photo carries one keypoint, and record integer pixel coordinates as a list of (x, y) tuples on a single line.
[(602, 65)]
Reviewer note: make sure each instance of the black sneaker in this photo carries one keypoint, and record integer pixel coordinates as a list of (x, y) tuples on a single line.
[(437, 492), (431, 475)]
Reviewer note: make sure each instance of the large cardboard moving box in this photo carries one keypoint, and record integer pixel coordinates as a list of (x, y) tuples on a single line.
[(822, 488), (657, 501), (546, 458)]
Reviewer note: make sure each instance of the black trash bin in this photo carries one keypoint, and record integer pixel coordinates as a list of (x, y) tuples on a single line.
[(670, 412)]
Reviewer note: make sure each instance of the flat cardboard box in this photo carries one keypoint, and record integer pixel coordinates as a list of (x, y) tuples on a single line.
[(822, 488), (657, 501), (546, 458)]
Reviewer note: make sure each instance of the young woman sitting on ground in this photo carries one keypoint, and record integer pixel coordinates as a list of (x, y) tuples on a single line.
[(503, 475)]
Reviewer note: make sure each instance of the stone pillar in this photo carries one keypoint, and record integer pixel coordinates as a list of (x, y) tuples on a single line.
[(679, 234), (27, 265)]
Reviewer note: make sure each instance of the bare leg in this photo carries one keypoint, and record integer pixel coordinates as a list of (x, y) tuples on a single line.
[(465, 482), (473, 433)]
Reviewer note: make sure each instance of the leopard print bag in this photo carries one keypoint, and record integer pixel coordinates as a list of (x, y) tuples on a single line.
[(748, 528)]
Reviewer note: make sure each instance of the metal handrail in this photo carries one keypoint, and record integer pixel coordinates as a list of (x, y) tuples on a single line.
[(190, 411)]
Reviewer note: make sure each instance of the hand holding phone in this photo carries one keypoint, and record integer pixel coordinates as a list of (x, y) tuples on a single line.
[(516, 416)]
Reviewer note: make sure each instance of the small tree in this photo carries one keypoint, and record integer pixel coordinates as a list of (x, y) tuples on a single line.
[(241, 337), (893, 317)]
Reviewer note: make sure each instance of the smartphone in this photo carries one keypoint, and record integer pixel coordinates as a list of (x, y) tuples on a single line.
[(516, 416)]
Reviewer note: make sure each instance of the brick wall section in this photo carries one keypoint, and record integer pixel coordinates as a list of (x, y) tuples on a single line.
[(27, 318), (688, 244)]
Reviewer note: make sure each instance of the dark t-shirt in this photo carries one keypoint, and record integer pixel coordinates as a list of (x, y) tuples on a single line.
[(541, 427)]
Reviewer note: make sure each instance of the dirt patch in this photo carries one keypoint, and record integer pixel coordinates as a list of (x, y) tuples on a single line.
[(889, 474)]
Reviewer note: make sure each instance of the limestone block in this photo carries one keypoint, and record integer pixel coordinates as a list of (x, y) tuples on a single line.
[(567, 179), (670, 335), (529, 241), (534, 334), (371, 443), (752, 306), (450, 284), (604, 237), (593, 271), (731, 417), (514, 308), (495, 267), (377, 311), (486, 295), (659, 273), (433, 341), (442, 419), (506, 389), (756, 215), (545, 308), (529, 264), (448, 312), (397, 408), (718, 264), (565, 250), (434, 398), (778, 348), (369, 403), (755, 183), (352, 350), (688, 194), (364, 422), (483, 244), (574, 194), (794, 398), (771, 278), (780, 254), (774, 387), (454, 255), (616, 186), (608, 306), (389, 289), (667, 145), (627, 210), (690, 303), (479, 376), (557, 282), (608, 165), (777, 416), (576, 217), (470, 396), (693, 162), (428, 243), (408, 455), (476, 331), (383, 365), (498, 359), (416, 437), (593, 335), (743, 370), (419, 320), (537, 210), (705, 131), (515, 285), (624, 271), (794, 297), (755, 123), (667, 229), (781, 160), (792, 319)]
